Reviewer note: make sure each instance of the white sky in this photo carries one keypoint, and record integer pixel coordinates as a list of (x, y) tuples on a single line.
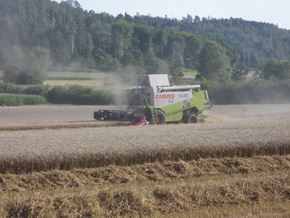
[(269, 11)]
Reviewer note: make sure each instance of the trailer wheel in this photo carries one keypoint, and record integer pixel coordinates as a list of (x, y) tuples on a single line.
[(161, 118), (191, 118)]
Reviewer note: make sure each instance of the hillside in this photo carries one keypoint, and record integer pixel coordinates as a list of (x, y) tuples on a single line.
[(79, 39), (253, 40)]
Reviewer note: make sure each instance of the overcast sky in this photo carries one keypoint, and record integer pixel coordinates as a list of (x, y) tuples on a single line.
[(269, 11)]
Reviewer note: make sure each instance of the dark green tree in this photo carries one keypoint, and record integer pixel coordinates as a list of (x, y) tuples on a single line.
[(240, 72), (175, 45), (231, 51), (60, 49), (153, 64), (87, 52), (142, 37), (258, 68), (270, 69), (160, 40), (214, 63), (274, 69), (176, 70), (284, 70), (193, 46), (121, 37), (128, 59)]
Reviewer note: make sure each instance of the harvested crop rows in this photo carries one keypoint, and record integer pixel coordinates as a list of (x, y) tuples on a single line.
[(153, 188), (227, 166)]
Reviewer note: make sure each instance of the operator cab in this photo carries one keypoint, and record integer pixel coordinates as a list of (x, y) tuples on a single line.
[(137, 97)]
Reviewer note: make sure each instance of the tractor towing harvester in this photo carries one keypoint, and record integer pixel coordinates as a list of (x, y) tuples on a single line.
[(155, 101)]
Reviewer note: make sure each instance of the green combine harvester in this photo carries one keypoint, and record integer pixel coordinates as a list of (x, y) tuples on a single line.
[(155, 101)]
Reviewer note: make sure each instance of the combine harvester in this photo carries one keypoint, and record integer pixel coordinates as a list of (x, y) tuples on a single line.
[(154, 101)]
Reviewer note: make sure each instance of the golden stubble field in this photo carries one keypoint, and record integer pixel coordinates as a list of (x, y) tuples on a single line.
[(235, 164)]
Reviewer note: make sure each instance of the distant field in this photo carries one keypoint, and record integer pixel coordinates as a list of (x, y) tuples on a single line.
[(75, 76), (85, 78), (74, 82), (191, 74)]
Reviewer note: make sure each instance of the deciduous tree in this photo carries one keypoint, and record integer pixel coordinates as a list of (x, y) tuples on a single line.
[(214, 63)]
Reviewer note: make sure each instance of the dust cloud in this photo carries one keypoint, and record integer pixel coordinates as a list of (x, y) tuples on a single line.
[(244, 111)]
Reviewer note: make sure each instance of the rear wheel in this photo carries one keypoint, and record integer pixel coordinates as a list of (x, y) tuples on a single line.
[(161, 118), (191, 118)]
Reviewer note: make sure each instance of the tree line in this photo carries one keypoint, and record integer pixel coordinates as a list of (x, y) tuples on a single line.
[(42, 34)]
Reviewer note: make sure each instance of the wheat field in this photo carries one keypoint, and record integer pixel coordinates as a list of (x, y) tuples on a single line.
[(86, 147), (234, 164)]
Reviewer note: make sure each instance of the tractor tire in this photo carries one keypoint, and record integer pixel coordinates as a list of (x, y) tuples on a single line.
[(161, 117), (191, 118)]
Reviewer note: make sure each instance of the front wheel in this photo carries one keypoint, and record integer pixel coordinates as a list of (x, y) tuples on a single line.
[(161, 117), (191, 118)]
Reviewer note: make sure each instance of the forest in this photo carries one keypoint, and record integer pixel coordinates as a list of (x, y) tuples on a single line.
[(65, 37), (40, 36)]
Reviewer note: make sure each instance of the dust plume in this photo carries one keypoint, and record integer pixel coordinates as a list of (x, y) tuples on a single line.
[(222, 113), (121, 83)]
